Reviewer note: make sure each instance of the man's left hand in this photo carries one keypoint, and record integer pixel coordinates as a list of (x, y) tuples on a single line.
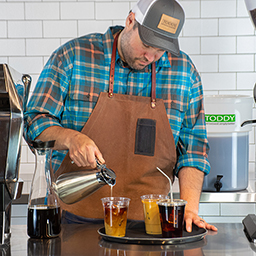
[(190, 217)]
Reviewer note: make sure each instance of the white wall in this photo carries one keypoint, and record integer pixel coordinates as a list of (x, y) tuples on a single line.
[(218, 35)]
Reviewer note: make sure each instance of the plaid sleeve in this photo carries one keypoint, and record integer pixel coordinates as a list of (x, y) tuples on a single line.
[(193, 145), (49, 95)]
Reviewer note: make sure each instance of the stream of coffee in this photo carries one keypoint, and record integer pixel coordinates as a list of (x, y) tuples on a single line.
[(111, 190)]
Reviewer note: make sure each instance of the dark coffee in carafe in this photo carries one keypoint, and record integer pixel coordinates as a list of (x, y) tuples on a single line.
[(44, 217), (44, 221)]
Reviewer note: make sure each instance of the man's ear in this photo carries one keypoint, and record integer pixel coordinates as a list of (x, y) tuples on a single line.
[(130, 21)]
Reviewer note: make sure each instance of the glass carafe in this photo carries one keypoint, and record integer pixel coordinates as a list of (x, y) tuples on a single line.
[(43, 207)]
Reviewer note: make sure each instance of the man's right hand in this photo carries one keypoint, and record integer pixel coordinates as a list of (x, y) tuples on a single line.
[(82, 149)]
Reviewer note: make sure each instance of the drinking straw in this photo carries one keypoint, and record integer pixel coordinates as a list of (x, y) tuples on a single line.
[(170, 191)]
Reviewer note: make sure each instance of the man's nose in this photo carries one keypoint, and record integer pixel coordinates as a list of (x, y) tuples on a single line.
[(150, 55)]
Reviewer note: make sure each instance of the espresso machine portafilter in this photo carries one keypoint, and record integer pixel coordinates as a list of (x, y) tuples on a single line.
[(14, 90)]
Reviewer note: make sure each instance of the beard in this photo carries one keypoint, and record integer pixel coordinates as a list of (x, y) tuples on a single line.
[(127, 51)]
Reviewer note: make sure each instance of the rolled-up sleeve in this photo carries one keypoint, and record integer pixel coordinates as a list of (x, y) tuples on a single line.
[(46, 104), (192, 146)]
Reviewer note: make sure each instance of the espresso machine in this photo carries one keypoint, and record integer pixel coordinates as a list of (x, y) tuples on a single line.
[(14, 90)]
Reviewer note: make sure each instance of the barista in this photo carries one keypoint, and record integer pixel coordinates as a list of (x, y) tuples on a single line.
[(131, 96)]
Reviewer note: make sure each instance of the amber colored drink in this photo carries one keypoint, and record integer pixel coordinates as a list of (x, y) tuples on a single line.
[(172, 217), (151, 213), (115, 215)]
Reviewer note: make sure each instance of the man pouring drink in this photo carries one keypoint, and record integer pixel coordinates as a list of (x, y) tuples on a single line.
[(131, 99)]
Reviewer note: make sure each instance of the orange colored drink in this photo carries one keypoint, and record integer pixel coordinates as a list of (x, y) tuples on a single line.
[(115, 215), (151, 213)]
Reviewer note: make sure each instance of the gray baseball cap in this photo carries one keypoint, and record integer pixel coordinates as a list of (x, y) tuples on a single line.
[(160, 23)]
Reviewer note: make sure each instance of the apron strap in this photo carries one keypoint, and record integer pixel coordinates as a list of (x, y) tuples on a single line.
[(153, 86), (112, 75), (112, 67)]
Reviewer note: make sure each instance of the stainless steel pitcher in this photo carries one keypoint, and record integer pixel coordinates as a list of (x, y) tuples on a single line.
[(74, 186)]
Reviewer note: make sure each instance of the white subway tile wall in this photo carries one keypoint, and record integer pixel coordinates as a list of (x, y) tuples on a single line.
[(218, 36)]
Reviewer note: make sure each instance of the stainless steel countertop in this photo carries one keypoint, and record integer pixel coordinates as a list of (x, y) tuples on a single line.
[(84, 240)]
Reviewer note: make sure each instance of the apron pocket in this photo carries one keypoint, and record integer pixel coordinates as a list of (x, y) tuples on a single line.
[(145, 137)]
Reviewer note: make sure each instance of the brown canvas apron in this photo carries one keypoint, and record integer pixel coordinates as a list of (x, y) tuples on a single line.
[(134, 135)]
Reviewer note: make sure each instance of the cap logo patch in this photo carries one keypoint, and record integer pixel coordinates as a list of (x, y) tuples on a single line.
[(168, 24)]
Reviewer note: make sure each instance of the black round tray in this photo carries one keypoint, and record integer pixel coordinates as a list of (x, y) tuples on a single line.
[(136, 235)]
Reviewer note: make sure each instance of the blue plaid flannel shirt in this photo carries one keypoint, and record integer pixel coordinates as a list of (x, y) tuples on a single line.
[(75, 74)]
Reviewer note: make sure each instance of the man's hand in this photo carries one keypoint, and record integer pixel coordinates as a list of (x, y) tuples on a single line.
[(82, 149), (191, 217), (190, 183)]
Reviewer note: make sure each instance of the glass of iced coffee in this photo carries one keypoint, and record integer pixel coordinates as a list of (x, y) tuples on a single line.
[(172, 217), (115, 215), (151, 213)]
